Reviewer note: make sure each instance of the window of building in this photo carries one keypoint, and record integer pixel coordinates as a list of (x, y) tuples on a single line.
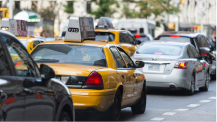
[(34, 5), (0, 3), (88, 6), (17, 4)]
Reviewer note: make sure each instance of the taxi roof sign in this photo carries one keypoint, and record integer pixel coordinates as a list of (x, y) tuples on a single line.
[(104, 23), (80, 29), (16, 27)]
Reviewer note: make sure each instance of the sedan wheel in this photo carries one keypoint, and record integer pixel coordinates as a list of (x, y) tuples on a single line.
[(206, 86), (192, 87)]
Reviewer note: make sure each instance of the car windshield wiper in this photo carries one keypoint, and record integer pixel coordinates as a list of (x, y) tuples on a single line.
[(47, 60)]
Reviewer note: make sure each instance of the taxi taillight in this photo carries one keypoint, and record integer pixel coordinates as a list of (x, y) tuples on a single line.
[(94, 80)]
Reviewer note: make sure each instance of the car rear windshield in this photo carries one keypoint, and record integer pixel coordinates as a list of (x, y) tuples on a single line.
[(160, 49), (69, 54), (104, 36), (178, 39)]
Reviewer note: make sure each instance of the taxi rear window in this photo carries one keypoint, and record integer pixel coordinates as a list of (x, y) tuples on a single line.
[(69, 54), (104, 36)]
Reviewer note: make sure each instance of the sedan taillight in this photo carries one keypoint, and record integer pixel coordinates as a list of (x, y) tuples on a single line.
[(181, 65), (94, 80)]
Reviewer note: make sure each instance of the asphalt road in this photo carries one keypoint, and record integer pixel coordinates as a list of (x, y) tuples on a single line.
[(171, 106)]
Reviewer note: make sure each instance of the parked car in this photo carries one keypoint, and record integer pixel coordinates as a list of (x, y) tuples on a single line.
[(199, 41), (27, 92), (173, 65)]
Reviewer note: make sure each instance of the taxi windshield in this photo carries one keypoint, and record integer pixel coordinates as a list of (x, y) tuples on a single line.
[(104, 36), (69, 54)]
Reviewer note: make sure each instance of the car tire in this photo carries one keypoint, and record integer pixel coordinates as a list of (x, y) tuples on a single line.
[(64, 116), (140, 106), (206, 86), (114, 112), (192, 87), (213, 77)]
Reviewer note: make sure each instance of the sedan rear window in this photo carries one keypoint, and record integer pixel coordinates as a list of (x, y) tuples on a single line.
[(178, 39), (69, 54), (104, 36), (156, 49)]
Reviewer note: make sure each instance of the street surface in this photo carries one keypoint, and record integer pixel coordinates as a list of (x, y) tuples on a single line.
[(173, 106)]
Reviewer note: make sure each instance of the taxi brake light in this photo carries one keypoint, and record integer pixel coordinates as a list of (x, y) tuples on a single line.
[(174, 35), (96, 31), (19, 63), (94, 79), (181, 65), (137, 35)]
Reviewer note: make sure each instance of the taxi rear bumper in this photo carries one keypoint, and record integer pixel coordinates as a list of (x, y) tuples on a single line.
[(99, 100)]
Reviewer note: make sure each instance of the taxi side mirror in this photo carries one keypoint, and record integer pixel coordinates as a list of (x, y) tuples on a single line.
[(138, 42), (46, 72), (140, 64)]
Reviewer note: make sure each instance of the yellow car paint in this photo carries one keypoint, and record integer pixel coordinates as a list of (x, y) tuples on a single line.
[(101, 100), (129, 48), (30, 40)]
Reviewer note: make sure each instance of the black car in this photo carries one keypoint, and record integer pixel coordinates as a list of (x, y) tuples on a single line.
[(27, 92), (199, 41)]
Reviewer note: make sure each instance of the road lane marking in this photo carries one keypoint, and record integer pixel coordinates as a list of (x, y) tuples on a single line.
[(181, 109), (157, 118), (205, 101), (193, 105), (212, 98), (169, 113)]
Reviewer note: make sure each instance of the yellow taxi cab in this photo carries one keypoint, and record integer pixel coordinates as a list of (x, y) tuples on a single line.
[(100, 76), (30, 42), (105, 31)]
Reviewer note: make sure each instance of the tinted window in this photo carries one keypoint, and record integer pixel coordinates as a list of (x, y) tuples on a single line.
[(190, 53), (4, 65), (143, 39), (69, 54), (160, 49), (179, 39), (195, 53), (202, 41), (125, 38), (24, 65), (129, 62), (117, 57), (35, 43), (104, 36)]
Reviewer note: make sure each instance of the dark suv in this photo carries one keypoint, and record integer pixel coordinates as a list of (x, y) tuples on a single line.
[(27, 92), (199, 41)]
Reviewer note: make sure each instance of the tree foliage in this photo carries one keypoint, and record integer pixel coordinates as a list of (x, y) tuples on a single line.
[(149, 8), (104, 8), (69, 7)]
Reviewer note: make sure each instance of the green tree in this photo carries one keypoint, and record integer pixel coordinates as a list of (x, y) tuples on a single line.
[(69, 7), (158, 8), (104, 8)]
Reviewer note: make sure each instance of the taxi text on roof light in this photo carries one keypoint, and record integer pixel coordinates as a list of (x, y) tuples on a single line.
[(16, 27), (80, 29), (104, 23)]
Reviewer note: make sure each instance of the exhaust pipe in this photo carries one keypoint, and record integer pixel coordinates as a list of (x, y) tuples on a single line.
[(172, 87)]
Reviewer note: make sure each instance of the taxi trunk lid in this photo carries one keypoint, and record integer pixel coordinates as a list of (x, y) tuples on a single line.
[(157, 64), (73, 75)]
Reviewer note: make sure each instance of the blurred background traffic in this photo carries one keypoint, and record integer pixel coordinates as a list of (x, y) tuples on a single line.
[(143, 18)]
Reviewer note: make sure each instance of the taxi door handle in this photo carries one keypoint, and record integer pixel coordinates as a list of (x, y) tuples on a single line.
[(122, 76)]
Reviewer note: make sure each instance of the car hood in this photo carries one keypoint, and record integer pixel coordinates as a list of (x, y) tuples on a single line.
[(72, 69)]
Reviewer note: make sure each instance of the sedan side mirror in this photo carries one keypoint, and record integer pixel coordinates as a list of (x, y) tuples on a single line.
[(46, 72), (140, 64), (138, 42)]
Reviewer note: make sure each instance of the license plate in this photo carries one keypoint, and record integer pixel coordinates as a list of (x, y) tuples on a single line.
[(154, 67)]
